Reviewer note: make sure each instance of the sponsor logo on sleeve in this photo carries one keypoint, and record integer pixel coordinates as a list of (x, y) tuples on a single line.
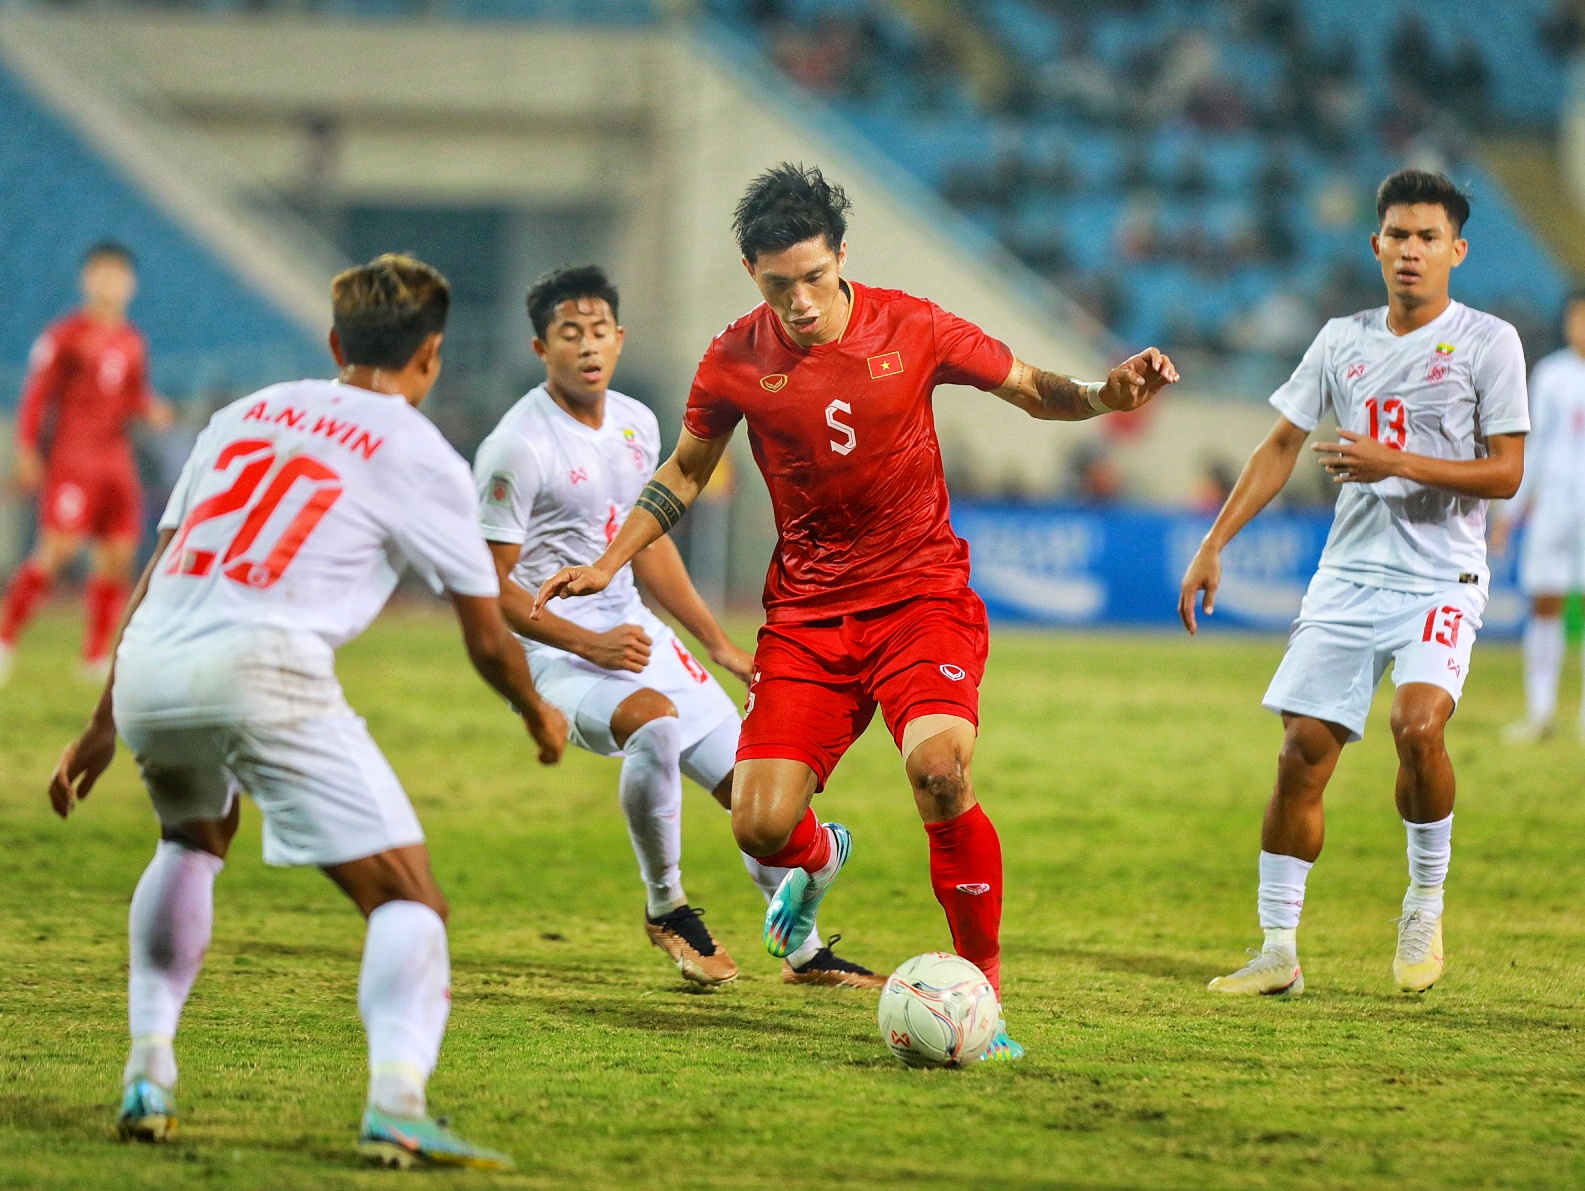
[(955, 673)]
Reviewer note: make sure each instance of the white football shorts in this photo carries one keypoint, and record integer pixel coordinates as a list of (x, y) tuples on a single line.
[(589, 695), (326, 792), (1346, 635), (1552, 557)]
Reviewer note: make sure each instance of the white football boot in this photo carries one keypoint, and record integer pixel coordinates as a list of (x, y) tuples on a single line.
[(1526, 731), (1273, 972), (1419, 961)]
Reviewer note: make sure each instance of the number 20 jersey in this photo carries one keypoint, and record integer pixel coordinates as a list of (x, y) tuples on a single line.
[(294, 517), (1440, 391), (844, 435)]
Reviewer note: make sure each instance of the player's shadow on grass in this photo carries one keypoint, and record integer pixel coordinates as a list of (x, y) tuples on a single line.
[(1163, 967), (659, 1017), (54, 1116)]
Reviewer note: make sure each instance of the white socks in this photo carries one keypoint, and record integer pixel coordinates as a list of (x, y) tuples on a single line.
[(404, 997), (172, 914), (1281, 897), (651, 793), (769, 880), (1543, 666), (1430, 851), (1282, 881)]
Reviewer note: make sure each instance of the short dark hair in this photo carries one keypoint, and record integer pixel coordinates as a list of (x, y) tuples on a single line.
[(100, 249), (788, 205), (384, 310), (1422, 186), (567, 284)]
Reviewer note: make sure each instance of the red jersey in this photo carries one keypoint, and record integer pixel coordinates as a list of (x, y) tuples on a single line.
[(845, 436), (95, 377)]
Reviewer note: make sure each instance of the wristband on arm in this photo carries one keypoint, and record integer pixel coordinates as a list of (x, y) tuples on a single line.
[(1092, 394)]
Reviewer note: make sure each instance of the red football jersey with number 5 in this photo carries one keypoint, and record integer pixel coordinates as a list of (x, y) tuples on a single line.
[(846, 439)]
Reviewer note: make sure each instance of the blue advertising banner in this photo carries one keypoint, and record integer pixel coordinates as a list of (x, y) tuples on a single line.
[(1061, 565)]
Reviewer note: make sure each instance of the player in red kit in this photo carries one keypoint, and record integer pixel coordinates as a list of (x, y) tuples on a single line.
[(87, 381), (867, 601)]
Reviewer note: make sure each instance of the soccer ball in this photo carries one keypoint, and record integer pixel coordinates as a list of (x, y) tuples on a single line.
[(938, 1010)]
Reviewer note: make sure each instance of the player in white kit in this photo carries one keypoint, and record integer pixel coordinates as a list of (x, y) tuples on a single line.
[(556, 479), (285, 535), (1551, 505), (1429, 397)]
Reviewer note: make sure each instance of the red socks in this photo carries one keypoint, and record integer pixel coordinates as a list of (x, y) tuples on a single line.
[(808, 847), (28, 587), (106, 599), (966, 871)]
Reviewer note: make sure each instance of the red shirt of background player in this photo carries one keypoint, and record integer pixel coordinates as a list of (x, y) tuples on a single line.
[(845, 436), (87, 380), (94, 376)]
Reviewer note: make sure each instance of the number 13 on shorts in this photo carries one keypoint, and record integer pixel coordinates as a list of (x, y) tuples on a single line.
[(1441, 625)]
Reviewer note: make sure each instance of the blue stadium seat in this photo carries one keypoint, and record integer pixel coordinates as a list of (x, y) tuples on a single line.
[(206, 327)]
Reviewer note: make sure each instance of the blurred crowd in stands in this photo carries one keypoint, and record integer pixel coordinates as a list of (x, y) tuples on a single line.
[(1196, 173)]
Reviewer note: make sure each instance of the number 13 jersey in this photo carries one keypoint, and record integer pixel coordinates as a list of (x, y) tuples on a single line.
[(844, 434), (293, 517), (1440, 391)]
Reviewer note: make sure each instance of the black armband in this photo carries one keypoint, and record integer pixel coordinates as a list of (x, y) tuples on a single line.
[(661, 503)]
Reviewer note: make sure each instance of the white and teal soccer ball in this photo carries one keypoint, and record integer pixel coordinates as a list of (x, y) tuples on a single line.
[(938, 1010)]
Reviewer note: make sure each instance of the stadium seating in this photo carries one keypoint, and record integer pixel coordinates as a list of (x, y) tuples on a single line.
[(209, 331), (1220, 208)]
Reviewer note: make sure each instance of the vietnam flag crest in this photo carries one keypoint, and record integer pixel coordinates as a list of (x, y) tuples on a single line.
[(891, 364)]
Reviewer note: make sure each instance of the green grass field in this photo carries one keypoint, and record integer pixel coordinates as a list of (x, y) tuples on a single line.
[(1126, 775)]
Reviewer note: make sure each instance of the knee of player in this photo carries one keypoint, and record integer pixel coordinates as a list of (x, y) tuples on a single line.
[(641, 710), (1417, 734), (941, 785), (760, 835)]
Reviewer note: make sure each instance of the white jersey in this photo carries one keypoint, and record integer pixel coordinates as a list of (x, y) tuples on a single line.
[(293, 517), (561, 490), (1440, 391), (1554, 454)]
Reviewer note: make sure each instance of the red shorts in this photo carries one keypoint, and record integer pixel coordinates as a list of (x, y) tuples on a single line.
[(99, 500), (817, 682)]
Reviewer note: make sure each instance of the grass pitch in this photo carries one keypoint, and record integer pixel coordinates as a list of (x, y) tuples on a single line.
[(1127, 776)]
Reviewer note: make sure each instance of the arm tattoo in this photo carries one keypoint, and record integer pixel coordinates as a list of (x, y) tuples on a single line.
[(661, 503), (1062, 397), (1048, 395)]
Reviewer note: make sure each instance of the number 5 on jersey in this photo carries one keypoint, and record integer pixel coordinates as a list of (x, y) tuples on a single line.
[(253, 459), (841, 407)]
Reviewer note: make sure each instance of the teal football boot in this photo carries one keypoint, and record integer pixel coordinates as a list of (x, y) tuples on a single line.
[(1002, 1048), (407, 1142), (791, 914), (148, 1112)]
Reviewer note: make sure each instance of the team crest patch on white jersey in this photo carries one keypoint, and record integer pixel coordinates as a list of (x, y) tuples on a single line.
[(499, 489)]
